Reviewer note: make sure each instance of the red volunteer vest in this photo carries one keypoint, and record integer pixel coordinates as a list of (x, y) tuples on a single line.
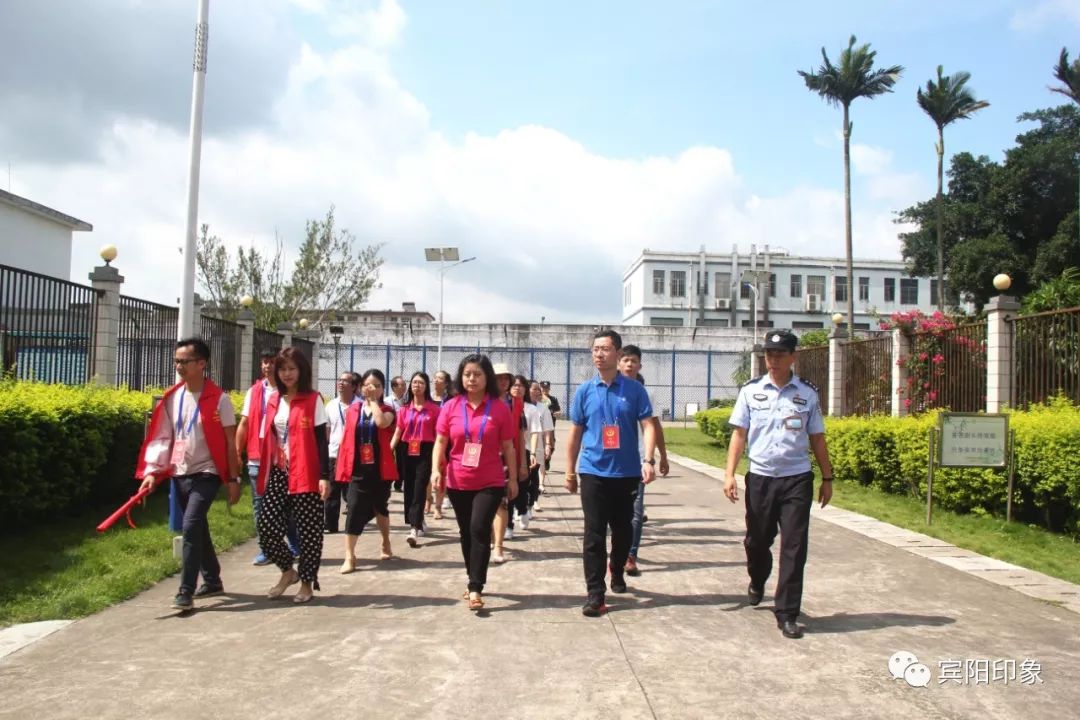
[(347, 451), (303, 450), (255, 420), (209, 418)]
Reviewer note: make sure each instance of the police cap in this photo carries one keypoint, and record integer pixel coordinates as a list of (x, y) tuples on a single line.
[(781, 340)]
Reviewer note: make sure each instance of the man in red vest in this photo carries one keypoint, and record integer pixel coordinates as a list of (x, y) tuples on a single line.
[(248, 441), (192, 440)]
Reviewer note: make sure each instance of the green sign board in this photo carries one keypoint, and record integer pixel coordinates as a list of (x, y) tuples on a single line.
[(973, 440)]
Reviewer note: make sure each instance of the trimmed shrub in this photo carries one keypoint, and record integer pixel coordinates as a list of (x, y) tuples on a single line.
[(891, 455), (65, 448)]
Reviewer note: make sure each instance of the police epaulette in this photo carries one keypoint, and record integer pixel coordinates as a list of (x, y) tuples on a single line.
[(751, 381), (809, 384)]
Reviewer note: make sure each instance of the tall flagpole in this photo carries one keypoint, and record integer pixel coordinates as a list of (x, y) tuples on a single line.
[(186, 324)]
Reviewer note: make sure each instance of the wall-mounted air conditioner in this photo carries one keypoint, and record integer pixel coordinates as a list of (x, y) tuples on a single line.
[(813, 303), (723, 303)]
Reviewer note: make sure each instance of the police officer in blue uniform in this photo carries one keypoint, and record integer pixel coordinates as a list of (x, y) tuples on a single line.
[(777, 420)]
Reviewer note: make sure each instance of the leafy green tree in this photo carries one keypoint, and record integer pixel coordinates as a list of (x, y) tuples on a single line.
[(1056, 294), (1069, 77), (946, 101), (330, 274), (840, 85)]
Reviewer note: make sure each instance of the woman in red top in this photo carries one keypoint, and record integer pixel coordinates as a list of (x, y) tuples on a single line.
[(294, 473), (479, 431), (416, 429), (367, 463)]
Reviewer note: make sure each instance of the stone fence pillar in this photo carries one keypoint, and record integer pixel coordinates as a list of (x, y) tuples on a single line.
[(901, 351), (246, 357), (837, 339), (106, 341), (999, 352)]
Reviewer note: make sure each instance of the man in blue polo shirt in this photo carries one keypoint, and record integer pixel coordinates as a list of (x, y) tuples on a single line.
[(777, 420), (605, 415)]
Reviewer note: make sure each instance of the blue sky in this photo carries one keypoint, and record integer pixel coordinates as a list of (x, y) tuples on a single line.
[(553, 141)]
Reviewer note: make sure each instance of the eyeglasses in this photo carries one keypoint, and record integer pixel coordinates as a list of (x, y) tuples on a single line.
[(184, 361)]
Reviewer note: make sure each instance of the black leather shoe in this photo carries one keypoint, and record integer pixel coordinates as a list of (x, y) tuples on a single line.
[(753, 595), (790, 629), (618, 583), (207, 591)]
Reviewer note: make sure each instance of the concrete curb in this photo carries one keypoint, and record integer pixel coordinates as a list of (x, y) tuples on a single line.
[(17, 637), (1029, 582)]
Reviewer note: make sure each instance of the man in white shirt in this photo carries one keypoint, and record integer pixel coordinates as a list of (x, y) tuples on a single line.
[(398, 399), (335, 413), (541, 429)]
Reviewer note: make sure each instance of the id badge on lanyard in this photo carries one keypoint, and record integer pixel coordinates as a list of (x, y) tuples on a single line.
[(414, 448), (609, 433), (367, 454), (414, 426), (470, 456), (367, 447), (179, 449)]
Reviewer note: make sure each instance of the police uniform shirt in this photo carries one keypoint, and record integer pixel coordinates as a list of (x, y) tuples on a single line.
[(779, 422)]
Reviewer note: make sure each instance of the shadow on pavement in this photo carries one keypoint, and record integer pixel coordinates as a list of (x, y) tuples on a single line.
[(859, 622)]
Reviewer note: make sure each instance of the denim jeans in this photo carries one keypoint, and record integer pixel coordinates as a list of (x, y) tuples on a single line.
[(196, 493)]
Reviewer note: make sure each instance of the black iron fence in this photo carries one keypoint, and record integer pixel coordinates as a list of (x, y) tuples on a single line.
[(147, 336), (868, 376), (263, 340), (308, 349), (225, 340), (812, 365), (947, 369), (47, 327), (1046, 356)]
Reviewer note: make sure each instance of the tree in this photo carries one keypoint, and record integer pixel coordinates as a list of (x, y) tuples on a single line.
[(841, 85), (329, 275), (945, 101), (1069, 77)]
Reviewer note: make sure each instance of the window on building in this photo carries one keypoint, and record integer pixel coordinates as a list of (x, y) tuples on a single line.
[(890, 290), (806, 325), (750, 324), (840, 288), (671, 322), (722, 285), (796, 286), (716, 322), (658, 282), (678, 283), (864, 289), (772, 285), (815, 285), (744, 290), (909, 291)]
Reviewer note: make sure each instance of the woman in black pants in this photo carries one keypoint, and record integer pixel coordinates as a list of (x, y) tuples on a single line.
[(416, 434), (477, 427)]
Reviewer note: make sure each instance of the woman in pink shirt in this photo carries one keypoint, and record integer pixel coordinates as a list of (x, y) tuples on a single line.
[(479, 431), (416, 430)]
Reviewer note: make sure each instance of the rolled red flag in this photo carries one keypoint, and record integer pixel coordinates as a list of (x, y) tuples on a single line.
[(123, 510)]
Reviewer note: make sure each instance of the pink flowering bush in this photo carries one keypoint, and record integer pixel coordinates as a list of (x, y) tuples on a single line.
[(947, 363)]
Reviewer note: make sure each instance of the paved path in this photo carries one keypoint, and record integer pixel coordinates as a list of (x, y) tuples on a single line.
[(394, 640)]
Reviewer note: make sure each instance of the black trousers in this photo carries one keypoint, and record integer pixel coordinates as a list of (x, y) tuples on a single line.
[(606, 501), (367, 498), (399, 462), (417, 475), (332, 505), (475, 512), (782, 503), (306, 509), (197, 493)]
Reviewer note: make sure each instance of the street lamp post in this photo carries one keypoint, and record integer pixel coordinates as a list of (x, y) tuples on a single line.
[(442, 255), (336, 331)]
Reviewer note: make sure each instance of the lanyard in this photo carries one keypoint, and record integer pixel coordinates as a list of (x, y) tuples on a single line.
[(417, 419), (341, 412), (607, 405), (465, 417), (366, 435), (180, 418), (265, 393)]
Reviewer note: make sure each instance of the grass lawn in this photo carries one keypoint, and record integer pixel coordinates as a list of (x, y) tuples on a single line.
[(67, 570), (1024, 545)]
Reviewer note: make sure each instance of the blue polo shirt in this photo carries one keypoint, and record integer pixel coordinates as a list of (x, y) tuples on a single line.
[(779, 423), (595, 405)]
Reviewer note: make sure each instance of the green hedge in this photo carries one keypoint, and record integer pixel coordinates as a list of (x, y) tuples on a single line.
[(890, 454), (66, 448)]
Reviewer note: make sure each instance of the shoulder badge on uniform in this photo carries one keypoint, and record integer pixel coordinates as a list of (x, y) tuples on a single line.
[(751, 381), (809, 384)]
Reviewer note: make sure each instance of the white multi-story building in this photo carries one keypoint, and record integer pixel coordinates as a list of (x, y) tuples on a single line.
[(712, 289)]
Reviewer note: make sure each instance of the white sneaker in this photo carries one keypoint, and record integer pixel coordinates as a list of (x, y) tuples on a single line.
[(523, 521), (530, 513), (412, 538), (423, 531), (446, 504), (509, 534)]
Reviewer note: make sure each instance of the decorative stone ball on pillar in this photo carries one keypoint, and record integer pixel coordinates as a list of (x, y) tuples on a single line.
[(1002, 282), (108, 253)]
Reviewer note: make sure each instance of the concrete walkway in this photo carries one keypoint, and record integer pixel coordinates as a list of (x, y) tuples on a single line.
[(394, 640)]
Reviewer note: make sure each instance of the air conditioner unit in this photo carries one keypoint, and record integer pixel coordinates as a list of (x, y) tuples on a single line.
[(813, 303), (723, 303)]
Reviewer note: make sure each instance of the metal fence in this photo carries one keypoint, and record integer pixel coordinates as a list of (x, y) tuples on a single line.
[(263, 340), (225, 340), (673, 377), (947, 369), (147, 337), (812, 365), (868, 376), (1046, 356), (47, 327), (306, 347)]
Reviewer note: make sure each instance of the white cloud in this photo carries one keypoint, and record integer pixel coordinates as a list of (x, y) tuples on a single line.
[(552, 224), (1036, 15)]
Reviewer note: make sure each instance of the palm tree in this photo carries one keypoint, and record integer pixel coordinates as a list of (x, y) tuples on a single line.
[(1069, 76), (841, 84), (946, 101)]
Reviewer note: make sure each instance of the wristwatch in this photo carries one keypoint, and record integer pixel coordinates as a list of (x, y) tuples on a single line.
[(650, 461), (826, 479)]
